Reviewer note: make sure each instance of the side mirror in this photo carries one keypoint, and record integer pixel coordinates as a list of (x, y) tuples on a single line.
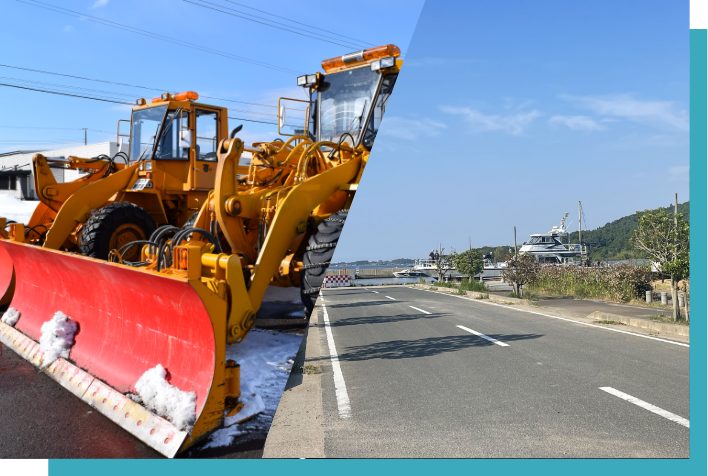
[(281, 117)]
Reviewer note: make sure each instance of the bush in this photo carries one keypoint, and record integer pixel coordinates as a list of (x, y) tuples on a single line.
[(473, 285), (622, 282), (444, 285)]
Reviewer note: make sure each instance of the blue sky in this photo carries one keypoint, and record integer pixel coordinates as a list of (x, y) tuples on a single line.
[(509, 112), (36, 38)]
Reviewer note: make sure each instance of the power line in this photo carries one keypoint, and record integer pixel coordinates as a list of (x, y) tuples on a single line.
[(304, 24), (55, 128), (107, 100), (78, 88), (120, 26), (62, 94), (44, 128), (134, 86), (320, 38)]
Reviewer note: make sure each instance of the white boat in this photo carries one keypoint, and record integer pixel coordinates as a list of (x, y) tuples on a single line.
[(409, 273), (548, 248)]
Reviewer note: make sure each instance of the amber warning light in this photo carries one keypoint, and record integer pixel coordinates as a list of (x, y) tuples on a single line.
[(185, 96), (361, 57)]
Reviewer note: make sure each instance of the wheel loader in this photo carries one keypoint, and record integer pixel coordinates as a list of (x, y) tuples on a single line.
[(193, 291), (165, 178)]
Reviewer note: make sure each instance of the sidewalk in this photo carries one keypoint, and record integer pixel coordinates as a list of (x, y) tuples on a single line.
[(589, 310)]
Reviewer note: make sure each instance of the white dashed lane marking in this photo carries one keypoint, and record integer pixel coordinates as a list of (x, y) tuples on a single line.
[(478, 334)]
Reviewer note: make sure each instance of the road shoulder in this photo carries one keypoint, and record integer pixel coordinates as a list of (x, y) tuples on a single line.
[(297, 430)]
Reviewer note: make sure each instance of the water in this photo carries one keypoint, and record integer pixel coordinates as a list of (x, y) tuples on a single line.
[(378, 281)]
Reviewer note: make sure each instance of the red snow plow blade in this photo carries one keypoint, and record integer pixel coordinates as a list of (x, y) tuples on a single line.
[(7, 285), (129, 321)]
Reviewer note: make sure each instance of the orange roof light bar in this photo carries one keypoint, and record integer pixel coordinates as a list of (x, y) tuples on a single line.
[(360, 57), (186, 96)]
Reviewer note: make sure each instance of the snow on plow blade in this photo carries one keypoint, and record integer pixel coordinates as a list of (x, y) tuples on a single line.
[(129, 321)]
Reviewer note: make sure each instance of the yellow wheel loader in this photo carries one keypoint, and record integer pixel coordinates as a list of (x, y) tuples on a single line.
[(195, 290), (166, 176)]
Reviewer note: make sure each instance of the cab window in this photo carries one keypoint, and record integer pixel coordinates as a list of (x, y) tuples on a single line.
[(207, 134)]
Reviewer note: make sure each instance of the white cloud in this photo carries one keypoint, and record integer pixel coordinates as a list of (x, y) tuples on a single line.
[(68, 28), (665, 113), (576, 123), (410, 129), (513, 124), (679, 173), (100, 3)]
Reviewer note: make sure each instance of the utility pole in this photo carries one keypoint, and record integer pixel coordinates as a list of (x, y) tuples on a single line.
[(516, 251), (580, 227), (85, 135)]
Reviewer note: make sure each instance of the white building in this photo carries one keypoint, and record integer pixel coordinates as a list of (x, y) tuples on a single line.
[(16, 167)]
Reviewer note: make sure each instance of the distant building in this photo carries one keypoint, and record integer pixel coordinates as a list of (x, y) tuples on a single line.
[(16, 167)]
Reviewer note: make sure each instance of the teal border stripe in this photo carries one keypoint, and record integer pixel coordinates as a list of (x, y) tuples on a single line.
[(695, 465)]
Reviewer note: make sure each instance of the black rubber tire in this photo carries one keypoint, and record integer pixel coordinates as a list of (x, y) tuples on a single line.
[(317, 257), (96, 235), (192, 220)]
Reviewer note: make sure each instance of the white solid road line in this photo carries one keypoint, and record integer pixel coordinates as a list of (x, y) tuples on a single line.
[(392, 299), (345, 409), (561, 318), (647, 406), (490, 339), (424, 312), (375, 292)]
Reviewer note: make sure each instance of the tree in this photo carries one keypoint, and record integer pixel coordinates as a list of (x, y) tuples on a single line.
[(521, 270), (665, 238), (445, 263), (469, 262)]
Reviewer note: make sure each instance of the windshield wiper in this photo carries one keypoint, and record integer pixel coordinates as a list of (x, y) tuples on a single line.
[(164, 129), (359, 118)]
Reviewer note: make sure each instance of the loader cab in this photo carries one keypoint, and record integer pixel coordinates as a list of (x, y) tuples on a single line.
[(176, 140), (349, 100)]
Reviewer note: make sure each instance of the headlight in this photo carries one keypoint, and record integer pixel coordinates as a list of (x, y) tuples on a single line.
[(383, 63), (307, 81)]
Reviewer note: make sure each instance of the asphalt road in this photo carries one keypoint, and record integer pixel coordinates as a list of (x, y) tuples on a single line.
[(418, 385)]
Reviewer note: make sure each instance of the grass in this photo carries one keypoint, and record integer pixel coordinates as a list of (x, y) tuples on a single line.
[(444, 285), (614, 323), (668, 319), (472, 285), (311, 370), (483, 296)]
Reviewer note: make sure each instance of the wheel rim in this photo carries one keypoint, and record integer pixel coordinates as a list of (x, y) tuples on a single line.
[(125, 234)]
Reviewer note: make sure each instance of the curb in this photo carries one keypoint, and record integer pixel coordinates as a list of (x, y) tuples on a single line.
[(664, 327), (646, 324)]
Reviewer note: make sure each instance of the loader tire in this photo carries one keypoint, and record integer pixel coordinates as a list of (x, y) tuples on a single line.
[(192, 220), (114, 226), (317, 257)]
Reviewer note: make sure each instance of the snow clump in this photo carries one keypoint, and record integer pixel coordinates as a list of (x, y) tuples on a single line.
[(166, 400), (57, 338), (11, 317)]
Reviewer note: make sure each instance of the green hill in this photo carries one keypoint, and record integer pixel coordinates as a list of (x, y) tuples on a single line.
[(610, 241)]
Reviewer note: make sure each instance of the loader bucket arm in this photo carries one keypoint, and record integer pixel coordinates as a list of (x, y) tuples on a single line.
[(77, 208), (53, 194), (293, 211)]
